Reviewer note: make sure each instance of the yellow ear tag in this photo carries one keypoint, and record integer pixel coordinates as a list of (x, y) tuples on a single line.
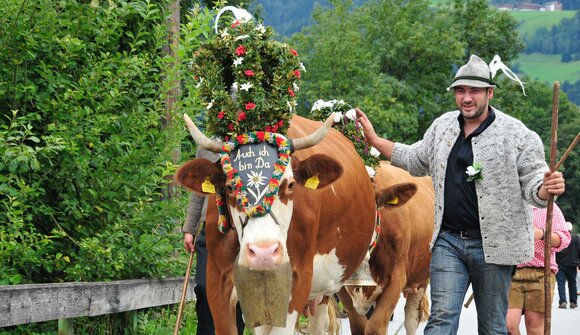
[(207, 186), (312, 183), (393, 201)]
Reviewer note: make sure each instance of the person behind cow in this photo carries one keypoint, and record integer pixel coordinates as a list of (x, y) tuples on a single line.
[(485, 167), (196, 213), (526, 295), (568, 261)]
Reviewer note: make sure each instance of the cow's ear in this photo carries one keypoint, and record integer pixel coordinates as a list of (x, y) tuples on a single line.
[(396, 195), (193, 174), (325, 168)]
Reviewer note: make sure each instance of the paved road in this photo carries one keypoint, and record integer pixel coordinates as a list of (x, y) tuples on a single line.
[(564, 321)]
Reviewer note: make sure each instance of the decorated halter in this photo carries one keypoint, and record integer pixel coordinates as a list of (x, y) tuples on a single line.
[(248, 82), (254, 197)]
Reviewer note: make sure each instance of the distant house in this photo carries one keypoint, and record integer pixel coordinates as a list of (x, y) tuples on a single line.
[(553, 6), (526, 6), (505, 6)]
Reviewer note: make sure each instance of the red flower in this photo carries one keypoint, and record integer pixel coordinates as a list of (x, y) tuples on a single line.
[(275, 128), (292, 51), (250, 105), (280, 122), (230, 126), (297, 73), (269, 129), (241, 116), (249, 73), (236, 24), (241, 50), (290, 92), (221, 115), (279, 140)]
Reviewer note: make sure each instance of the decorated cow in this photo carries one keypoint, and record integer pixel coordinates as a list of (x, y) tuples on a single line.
[(400, 261), (292, 211)]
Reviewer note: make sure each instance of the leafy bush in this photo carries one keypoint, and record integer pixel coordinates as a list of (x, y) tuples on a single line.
[(87, 144)]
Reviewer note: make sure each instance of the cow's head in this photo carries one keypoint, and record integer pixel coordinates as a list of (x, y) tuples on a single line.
[(364, 296), (256, 180)]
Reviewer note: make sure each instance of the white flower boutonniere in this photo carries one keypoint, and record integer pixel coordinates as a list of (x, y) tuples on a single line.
[(474, 172)]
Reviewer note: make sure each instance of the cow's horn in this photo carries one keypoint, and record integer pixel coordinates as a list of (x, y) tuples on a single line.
[(200, 139), (315, 137)]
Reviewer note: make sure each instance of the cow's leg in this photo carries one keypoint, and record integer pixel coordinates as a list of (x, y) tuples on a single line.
[(288, 330), (412, 311), (357, 322), (385, 304), (319, 322)]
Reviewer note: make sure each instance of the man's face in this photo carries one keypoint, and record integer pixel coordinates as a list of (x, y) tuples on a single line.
[(473, 102)]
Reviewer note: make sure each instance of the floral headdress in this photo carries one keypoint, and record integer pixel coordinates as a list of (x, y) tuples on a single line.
[(345, 122), (246, 80)]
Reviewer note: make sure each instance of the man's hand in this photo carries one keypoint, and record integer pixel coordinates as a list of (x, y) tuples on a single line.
[(554, 184), (367, 127), (188, 242)]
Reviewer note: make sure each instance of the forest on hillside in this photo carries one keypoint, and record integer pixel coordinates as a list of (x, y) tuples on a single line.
[(289, 17)]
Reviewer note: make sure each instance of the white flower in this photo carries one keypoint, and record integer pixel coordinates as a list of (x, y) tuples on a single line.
[(328, 104), (241, 37), (318, 104), (337, 117), (471, 171), (260, 28), (290, 106), (199, 84), (210, 105), (370, 171), (302, 68), (246, 87), (295, 87), (238, 61), (474, 172), (374, 152), (350, 114), (224, 33), (235, 86), (256, 179)]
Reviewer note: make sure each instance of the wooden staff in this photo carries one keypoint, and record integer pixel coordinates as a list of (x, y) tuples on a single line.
[(548, 230), (186, 282), (568, 151)]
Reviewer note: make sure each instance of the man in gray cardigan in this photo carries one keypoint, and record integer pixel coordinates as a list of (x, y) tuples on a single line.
[(487, 170), (196, 213)]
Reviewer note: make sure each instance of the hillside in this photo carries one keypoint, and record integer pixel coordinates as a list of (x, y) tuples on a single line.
[(532, 21)]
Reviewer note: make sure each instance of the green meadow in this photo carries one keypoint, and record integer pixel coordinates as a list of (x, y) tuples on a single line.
[(530, 21), (548, 68)]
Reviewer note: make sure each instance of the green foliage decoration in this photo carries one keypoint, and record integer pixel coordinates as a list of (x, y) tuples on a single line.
[(246, 80), (345, 122)]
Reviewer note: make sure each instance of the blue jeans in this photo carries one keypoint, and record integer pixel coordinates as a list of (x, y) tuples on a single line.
[(455, 263), (567, 273)]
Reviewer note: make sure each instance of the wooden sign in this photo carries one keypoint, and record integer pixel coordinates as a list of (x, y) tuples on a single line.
[(255, 165)]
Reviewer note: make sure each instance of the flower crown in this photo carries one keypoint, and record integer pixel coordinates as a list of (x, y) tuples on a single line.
[(246, 81), (345, 122)]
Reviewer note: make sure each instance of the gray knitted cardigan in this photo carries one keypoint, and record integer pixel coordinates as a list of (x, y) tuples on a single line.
[(513, 165), (196, 210)]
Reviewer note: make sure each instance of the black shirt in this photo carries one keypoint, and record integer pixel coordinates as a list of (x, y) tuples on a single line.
[(461, 209)]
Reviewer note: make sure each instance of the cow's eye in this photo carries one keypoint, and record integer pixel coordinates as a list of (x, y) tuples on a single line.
[(291, 185)]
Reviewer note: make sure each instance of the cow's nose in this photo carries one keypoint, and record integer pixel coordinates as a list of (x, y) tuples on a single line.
[(264, 255)]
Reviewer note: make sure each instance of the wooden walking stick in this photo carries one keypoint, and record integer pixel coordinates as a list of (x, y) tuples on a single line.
[(548, 230), (186, 282)]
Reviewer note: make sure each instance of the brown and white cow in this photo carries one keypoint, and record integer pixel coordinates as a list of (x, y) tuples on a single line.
[(321, 234), (400, 261)]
